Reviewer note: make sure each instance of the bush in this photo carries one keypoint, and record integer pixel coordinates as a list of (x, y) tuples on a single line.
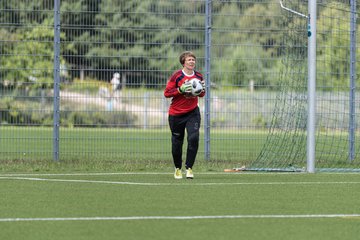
[(32, 113)]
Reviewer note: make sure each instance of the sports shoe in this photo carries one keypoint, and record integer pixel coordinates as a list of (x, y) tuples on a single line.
[(178, 173), (189, 173)]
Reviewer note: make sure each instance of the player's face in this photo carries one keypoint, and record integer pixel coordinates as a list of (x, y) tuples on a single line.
[(189, 63)]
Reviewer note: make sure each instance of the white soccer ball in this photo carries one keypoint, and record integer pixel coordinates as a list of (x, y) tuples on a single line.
[(196, 86)]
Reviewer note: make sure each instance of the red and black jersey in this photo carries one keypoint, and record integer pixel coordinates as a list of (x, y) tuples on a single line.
[(181, 104)]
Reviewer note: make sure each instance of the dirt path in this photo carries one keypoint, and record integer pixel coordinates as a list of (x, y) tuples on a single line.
[(109, 103)]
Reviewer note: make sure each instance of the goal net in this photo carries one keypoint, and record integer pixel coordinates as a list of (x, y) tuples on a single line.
[(337, 104)]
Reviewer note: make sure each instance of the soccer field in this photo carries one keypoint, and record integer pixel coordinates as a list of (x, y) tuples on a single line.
[(155, 206)]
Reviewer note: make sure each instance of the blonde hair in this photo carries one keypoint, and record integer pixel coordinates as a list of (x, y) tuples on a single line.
[(184, 55)]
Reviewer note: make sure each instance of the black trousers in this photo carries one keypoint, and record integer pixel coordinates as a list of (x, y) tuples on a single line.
[(191, 122)]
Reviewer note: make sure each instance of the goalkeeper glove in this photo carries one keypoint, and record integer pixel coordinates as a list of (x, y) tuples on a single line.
[(185, 87), (203, 85)]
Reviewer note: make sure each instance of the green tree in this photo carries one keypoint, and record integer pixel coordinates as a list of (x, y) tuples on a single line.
[(248, 43), (138, 37), (30, 56), (78, 23), (23, 12), (333, 46)]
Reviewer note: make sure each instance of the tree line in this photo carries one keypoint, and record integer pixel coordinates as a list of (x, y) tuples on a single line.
[(142, 39)]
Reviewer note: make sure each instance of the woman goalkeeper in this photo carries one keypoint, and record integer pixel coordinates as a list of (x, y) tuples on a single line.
[(184, 113)]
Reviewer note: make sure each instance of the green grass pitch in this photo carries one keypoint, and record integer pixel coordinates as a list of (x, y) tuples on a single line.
[(150, 205), (96, 146)]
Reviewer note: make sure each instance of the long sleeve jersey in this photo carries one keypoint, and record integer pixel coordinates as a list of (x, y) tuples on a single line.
[(181, 104)]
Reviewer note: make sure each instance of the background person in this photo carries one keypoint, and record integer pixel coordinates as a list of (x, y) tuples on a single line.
[(115, 82), (116, 86)]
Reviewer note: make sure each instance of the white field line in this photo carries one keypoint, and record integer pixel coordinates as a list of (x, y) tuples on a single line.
[(170, 184), (180, 217), (152, 173), (82, 174)]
